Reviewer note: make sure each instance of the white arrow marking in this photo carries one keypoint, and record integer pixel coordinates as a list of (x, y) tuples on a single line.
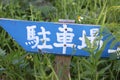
[(113, 51)]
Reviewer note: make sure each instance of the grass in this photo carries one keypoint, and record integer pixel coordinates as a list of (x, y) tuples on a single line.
[(16, 64)]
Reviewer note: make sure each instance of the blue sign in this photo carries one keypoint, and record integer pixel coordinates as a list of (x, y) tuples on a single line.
[(55, 38)]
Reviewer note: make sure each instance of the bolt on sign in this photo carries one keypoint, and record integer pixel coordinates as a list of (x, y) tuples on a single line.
[(57, 38)]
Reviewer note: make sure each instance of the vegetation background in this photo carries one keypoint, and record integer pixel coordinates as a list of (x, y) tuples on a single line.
[(16, 64)]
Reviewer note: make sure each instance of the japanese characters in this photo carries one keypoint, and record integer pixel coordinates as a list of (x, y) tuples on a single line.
[(64, 38), (34, 40)]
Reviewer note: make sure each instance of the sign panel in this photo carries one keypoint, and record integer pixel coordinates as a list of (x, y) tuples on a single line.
[(55, 38)]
